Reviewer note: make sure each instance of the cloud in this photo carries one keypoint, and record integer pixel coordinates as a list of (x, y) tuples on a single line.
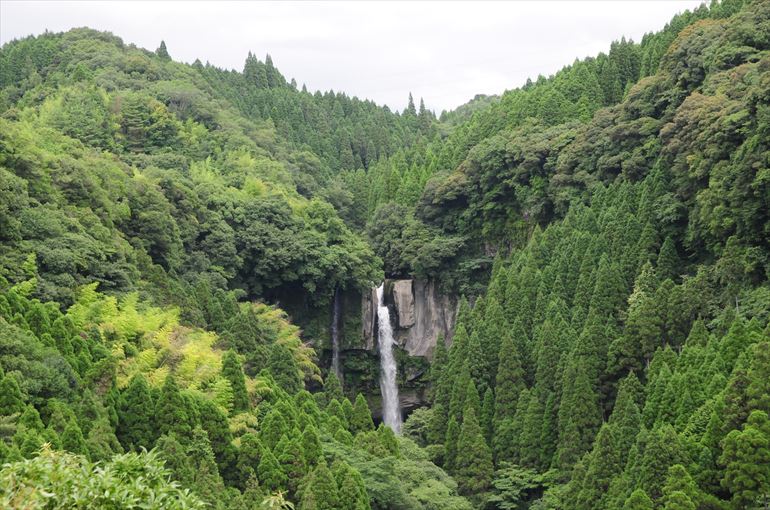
[(445, 52)]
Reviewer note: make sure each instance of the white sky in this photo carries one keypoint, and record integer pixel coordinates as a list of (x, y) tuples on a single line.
[(446, 52)]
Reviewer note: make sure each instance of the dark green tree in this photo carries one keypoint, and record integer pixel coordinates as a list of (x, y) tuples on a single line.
[(269, 472), (746, 458), (284, 368), (72, 439), (473, 464), (233, 373), (11, 401), (136, 417), (171, 414)]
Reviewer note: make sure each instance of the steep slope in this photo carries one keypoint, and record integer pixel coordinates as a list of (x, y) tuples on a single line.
[(618, 354)]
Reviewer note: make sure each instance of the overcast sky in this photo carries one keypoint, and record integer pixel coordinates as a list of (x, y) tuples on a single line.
[(445, 52)]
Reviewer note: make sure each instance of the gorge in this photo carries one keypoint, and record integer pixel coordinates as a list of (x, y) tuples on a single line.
[(220, 289)]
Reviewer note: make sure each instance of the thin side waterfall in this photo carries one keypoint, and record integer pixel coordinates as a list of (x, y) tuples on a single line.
[(391, 412), (336, 312)]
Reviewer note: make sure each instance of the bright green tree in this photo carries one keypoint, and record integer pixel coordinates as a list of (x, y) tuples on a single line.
[(638, 500), (361, 419), (321, 491), (72, 439), (352, 491), (311, 445)]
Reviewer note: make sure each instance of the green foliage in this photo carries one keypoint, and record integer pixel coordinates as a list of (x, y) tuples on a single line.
[(361, 420), (638, 500), (321, 492), (137, 427), (473, 463), (233, 373), (171, 411), (609, 224), (63, 480), (746, 457)]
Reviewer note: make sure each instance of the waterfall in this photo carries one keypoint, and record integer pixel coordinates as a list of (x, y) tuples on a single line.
[(336, 311), (391, 412)]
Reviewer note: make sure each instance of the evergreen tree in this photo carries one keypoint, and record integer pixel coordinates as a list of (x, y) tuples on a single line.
[(510, 377), (387, 438), (175, 458), (473, 463), (269, 472), (347, 410), (579, 415), (488, 415), (273, 428), (72, 439), (668, 260), (680, 490), (352, 491), (233, 373), (311, 446), (205, 481), (663, 449), (746, 458), (603, 466), (638, 500), (292, 461), (214, 422), (450, 443), (171, 411), (321, 492), (361, 419), (284, 368), (136, 416), (333, 388), (11, 401), (758, 390), (249, 455), (531, 451), (437, 366), (162, 52), (678, 500)]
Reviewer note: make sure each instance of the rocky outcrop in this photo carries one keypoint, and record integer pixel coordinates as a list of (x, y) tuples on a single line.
[(403, 297), (423, 313), (369, 318)]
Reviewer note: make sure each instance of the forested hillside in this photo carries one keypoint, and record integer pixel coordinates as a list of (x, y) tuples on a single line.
[(172, 237)]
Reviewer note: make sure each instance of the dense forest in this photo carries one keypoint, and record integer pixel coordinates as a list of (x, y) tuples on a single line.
[(173, 238)]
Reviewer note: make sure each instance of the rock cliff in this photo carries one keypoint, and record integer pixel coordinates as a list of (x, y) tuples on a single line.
[(422, 314)]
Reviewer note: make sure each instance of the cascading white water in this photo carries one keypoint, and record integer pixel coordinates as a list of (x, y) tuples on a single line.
[(391, 412), (336, 309)]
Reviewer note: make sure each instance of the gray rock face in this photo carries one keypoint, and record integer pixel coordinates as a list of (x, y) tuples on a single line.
[(369, 318), (434, 316), (404, 300), (423, 313)]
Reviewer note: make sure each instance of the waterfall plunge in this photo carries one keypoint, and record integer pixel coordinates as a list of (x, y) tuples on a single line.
[(391, 412), (336, 335)]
